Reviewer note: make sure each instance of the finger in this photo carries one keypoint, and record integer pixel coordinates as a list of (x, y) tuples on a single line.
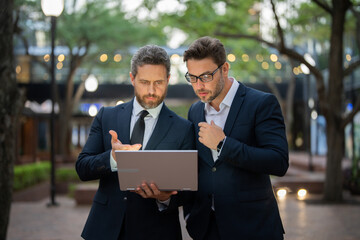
[(141, 192), (146, 189), (113, 136), (201, 134), (170, 192), (154, 189), (212, 123), (134, 147), (203, 124), (202, 130)]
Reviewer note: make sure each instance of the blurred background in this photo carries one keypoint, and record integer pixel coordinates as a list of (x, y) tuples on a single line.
[(95, 41), (304, 52)]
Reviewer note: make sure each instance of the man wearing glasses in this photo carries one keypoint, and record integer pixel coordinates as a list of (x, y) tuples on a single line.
[(241, 141)]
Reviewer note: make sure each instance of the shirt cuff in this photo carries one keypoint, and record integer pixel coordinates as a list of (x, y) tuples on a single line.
[(163, 205), (113, 163)]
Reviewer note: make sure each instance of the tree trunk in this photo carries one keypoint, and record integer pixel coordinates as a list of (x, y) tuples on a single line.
[(335, 133), (335, 140), (9, 106)]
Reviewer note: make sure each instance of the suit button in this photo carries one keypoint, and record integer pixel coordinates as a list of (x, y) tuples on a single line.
[(125, 198), (213, 169)]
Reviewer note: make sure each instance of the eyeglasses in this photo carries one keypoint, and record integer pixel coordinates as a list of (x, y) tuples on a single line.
[(207, 77)]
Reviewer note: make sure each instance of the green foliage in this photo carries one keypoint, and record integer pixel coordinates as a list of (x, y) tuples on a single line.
[(181, 110), (213, 18), (88, 28), (66, 175), (33, 173), (30, 174), (71, 190)]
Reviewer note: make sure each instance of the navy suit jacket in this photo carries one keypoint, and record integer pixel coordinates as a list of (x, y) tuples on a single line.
[(255, 147), (111, 207)]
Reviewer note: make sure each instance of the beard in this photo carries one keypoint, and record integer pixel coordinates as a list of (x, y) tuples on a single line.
[(213, 94), (149, 104)]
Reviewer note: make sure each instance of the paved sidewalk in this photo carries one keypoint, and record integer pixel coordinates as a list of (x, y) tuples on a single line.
[(303, 220), (36, 221), (310, 219)]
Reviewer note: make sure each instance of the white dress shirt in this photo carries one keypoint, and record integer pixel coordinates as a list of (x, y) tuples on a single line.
[(219, 117)]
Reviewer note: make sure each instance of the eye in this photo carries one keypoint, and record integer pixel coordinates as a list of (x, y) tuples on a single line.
[(144, 82), (206, 76), (159, 82)]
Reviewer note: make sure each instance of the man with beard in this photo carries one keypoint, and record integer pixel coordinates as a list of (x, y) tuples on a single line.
[(240, 141), (146, 213)]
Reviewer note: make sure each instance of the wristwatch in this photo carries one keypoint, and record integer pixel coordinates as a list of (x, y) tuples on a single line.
[(219, 146)]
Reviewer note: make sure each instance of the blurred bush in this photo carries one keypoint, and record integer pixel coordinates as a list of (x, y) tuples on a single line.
[(33, 173), (66, 175), (30, 174), (181, 110)]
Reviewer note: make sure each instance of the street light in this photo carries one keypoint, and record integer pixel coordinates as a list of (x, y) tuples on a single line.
[(53, 9), (309, 104), (91, 83)]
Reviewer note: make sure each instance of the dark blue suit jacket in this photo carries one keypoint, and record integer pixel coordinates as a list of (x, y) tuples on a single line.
[(111, 206), (255, 147)]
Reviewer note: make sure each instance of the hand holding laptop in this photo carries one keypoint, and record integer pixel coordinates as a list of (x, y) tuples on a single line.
[(145, 190), (117, 144), (151, 191)]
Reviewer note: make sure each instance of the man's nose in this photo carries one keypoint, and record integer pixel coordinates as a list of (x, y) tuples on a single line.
[(199, 83), (151, 88)]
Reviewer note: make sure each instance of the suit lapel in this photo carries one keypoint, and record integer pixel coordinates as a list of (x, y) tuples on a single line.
[(200, 117), (234, 109), (123, 121), (162, 127)]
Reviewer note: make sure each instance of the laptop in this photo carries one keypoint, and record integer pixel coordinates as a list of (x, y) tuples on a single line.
[(168, 169)]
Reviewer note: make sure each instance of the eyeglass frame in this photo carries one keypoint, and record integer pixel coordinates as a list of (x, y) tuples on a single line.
[(200, 77)]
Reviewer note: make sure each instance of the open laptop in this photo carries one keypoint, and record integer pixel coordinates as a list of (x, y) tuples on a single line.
[(168, 169)]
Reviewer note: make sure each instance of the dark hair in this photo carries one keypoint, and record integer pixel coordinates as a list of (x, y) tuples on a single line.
[(206, 47), (150, 54)]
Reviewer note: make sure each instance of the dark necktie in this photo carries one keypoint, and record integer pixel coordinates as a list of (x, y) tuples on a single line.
[(137, 135)]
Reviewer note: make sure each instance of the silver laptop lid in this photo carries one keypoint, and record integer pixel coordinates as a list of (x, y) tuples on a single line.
[(168, 169)]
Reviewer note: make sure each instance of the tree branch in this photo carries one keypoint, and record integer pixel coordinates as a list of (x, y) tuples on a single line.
[(351, 68), (245, 36), (348, 118), (324, 6), (273, 88), (278, 27), (293, 55)]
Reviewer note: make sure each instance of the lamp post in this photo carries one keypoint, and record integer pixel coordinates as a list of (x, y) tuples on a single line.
[(307, 131), (53, 9)]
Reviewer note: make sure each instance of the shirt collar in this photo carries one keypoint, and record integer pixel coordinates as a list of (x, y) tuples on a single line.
[(227, 101), (154, 112)]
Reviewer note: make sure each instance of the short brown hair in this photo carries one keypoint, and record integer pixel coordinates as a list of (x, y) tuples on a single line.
[(150, 54), (206, 47)]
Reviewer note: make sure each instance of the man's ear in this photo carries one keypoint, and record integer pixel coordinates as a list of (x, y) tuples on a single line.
[(132, 78), (226, 67)]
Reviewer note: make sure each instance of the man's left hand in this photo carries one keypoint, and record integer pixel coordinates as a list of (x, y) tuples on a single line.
[(152, 191), (210, 134)]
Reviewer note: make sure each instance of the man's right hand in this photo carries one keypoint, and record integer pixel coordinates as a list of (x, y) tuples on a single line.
[(117, 145)]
